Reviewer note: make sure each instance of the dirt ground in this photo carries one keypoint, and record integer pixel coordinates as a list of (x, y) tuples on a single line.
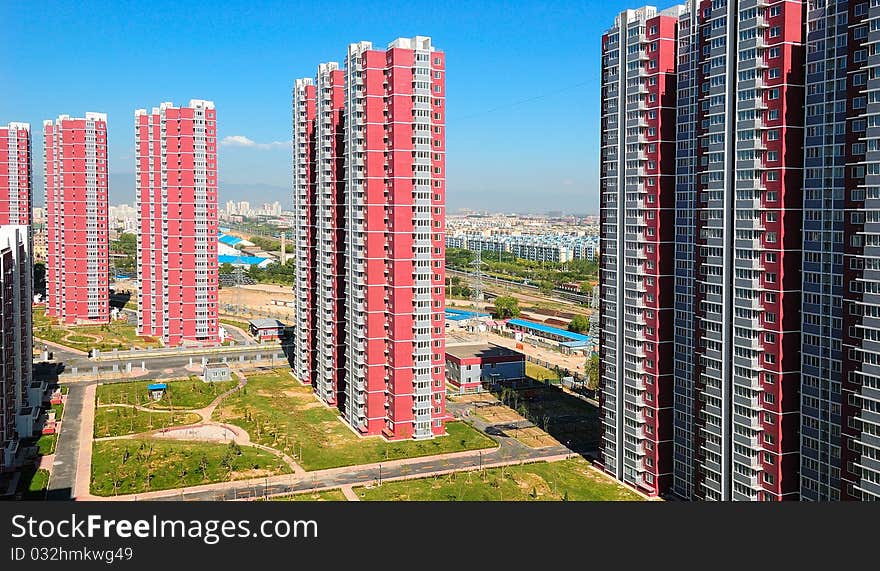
[(258, 298)]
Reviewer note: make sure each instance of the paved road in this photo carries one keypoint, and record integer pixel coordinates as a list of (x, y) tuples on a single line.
[(510, 452), (63, 478)]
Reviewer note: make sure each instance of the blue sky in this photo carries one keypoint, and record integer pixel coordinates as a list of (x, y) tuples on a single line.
[(522, 83)]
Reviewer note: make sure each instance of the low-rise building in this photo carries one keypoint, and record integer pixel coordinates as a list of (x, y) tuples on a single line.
[(469, 367)]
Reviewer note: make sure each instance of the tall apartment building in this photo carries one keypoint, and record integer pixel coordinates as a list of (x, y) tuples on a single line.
[(369, 196), (395, 210), (840, 391), (637, 246), (16, 190), (16, 338), (738, 250), (75, 172), (304, 179), (330, 255), (176, 174)]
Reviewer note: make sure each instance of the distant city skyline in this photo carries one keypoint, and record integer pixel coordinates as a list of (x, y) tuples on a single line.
[(523, 125)]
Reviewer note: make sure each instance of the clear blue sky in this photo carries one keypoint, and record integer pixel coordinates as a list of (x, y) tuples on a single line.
[(522, 82)]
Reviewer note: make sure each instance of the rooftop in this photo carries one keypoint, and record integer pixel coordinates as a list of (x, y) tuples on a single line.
[(547, 329), (480, 350), (266, 323)]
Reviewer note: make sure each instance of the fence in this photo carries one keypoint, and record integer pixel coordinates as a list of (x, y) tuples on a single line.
[(127, 368)]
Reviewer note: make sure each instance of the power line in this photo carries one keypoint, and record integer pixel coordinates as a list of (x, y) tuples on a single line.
[(522, 101)]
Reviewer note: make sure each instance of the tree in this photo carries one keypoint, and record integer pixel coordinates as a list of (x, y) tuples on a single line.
[(592, 368), (226, 268), (579, 324), (506, 306)]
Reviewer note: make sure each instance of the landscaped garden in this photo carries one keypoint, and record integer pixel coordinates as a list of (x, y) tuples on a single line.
[(190, 393), (571, 480), (120, 420), (119, 334), (136, 466), (279, 412)]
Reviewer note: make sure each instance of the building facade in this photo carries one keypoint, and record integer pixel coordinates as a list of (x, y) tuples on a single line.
[(738, 250), (16, 338), (304, 109), (75, 177), (395, 210), (840, 390), (176, 179), (16, 189), (330, 255), (637, 247)]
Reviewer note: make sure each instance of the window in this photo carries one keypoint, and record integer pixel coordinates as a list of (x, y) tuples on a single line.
[(775, 32), (773, 93)]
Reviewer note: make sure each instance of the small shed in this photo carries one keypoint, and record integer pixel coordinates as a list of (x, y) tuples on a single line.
[(214, 372), (266, 329), (157, 390)]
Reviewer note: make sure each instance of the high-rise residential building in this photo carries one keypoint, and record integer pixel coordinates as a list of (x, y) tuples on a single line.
[(395, 210), (738, 250), (75, 173), (304, 173), (17, 414), (330, 255), (637, 246), (176, 174), (16, 190), (369, 201), (737, 94), (840, 386)]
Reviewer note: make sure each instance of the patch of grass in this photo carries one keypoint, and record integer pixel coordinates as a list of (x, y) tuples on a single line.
[(324, 496), (280, 413), (119, 334), (122, 420), (540, 373), (572, 480), (32, 483), (235, 323), (184, 394), (137, 466), (59, 410), (46, 444)]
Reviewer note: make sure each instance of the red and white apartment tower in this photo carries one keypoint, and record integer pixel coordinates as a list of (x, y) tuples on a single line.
[(17, 414), (75, 171), (637, 246), (16, 190), (304, 228), (176, 174), (329, 340), (395, 185)]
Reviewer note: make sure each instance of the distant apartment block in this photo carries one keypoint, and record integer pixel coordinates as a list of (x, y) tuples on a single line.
[(537, 247), (75, 178), (16, 190), (17, 414), (176, 179), (636, 267)]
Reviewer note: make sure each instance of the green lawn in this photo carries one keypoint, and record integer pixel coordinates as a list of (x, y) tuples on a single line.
[(136, 466), (32, 483), (279, 412), (122, 420), (572, 480), (235, 323), (540, 373), (183, 394), (324, 496), (59, 410), (46, 444), (116, 335)]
